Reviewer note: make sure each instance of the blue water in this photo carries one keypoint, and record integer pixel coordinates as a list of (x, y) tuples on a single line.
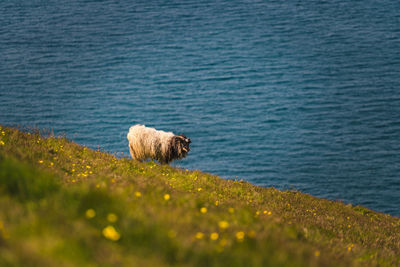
[(298, 95)]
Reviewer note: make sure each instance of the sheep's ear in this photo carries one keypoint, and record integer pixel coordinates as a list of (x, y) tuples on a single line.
[(181, 136)]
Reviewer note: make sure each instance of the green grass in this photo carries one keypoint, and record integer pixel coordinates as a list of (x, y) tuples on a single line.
[(62, 204)]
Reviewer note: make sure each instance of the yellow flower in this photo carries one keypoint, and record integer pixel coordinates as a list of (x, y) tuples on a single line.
[(257, 213), (223, 225), (240, 236), (199, 235), (138, 194), (214, 236), (109, 232), (111, 217), (265, 212), (203, 210), (199, 189), (269, 213), (40, 161), (2, 143), (216, 203), (51, 163), (90, 213), (167, 197)]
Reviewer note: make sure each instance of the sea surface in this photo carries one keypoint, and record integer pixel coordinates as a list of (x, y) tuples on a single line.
[(301, 95)]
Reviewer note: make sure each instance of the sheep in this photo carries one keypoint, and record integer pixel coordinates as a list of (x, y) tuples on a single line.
[(149, 143)]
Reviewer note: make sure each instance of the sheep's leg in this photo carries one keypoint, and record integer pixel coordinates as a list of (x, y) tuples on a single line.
[(132, 153)]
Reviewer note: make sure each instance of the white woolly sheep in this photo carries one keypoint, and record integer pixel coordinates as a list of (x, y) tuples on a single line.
[(149, 143)]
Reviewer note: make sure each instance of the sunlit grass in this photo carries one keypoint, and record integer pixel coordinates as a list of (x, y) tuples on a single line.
[(65, 204)]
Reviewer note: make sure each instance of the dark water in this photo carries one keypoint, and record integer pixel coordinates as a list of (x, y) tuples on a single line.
[(292, 94)]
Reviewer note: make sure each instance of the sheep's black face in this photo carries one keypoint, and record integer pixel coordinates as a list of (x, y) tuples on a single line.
[(184, 143)]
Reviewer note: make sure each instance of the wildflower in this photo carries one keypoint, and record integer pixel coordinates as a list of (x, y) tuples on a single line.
[(214, 236), (3, 133), (51, 163), (2, 143), (88, 167), (199, 235), (240, 236), (40, 161), (257, 213), (269, 213), (265, 212), (90, 213), (109, 232), (231, 210), (216, 203), (111, 217), (317, 253), (138, 194), (203, 210), (199, 189), (223, 225), (167, 197)]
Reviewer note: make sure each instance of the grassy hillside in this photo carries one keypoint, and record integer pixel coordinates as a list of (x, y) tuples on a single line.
[(62, 204)]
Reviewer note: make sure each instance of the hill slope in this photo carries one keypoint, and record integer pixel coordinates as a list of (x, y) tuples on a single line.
[(65, 204)]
